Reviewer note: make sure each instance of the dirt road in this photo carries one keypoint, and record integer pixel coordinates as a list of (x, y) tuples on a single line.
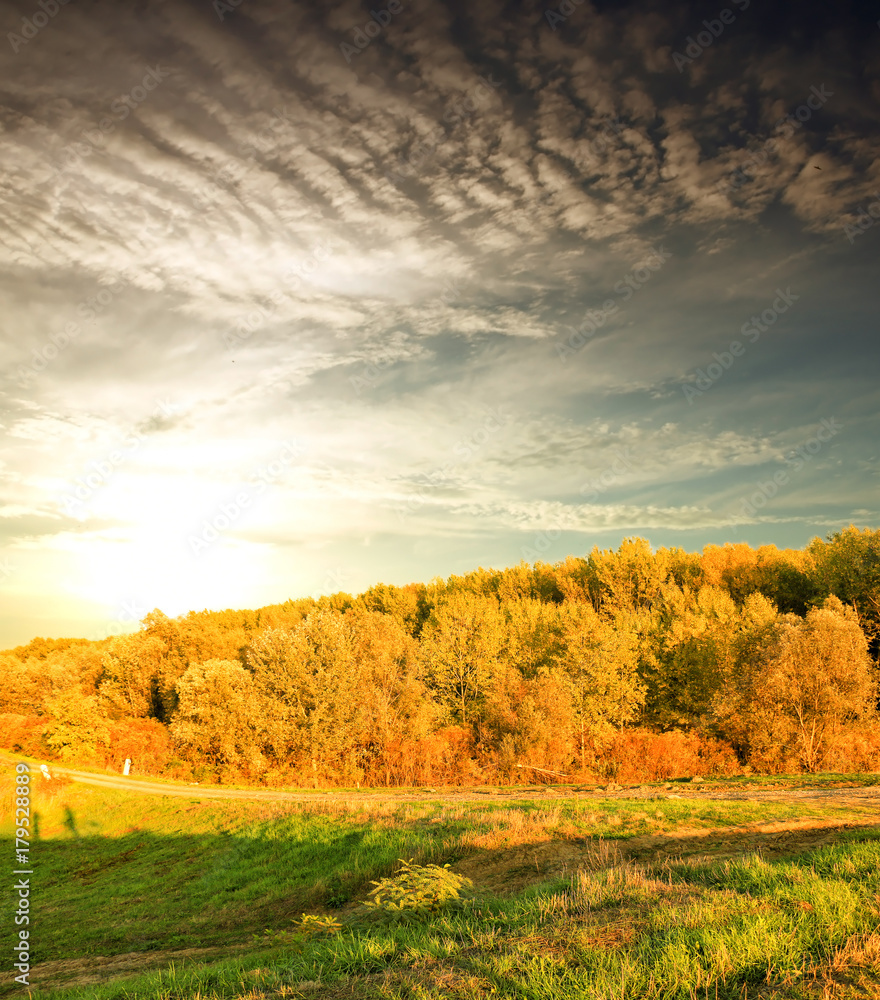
[(860, 796)]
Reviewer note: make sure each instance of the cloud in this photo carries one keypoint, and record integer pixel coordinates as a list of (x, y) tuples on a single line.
[(373, 256)]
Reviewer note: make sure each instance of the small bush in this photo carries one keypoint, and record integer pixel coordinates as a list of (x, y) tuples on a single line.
[(417, 891), (855, 747), (145, 741), (314, 925), (24, 734)]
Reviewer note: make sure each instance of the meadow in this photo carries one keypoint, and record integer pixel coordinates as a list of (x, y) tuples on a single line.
[(147, 896)]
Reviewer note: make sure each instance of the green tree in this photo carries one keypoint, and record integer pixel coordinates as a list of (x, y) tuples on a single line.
[(848, 566)]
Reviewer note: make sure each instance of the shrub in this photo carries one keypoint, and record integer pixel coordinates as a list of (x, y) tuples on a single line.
[(145, 741), (24, 734), (855, 748), (643, 755), (417, 891), (312, 925)]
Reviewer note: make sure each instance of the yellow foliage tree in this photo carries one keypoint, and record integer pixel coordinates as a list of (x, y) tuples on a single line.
[(598, 664), (461, 646), (218, 718), (76, 729), (799, 682)]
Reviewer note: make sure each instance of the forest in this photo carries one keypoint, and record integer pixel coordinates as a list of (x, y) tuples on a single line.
[(626, 665)]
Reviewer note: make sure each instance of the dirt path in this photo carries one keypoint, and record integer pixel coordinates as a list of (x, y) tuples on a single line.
[(856, 796)]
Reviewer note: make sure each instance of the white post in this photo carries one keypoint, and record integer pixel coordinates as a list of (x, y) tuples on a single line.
[(127, 767)]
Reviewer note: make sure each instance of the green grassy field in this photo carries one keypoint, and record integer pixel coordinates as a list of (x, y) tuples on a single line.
[(120, 873)]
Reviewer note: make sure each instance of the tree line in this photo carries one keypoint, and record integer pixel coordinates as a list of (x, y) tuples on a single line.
[(628, 664)]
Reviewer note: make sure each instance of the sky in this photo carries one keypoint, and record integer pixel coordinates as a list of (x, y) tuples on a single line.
[(297, 298)]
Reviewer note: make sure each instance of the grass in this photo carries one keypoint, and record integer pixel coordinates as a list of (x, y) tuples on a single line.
[(121, 872), (676, 931), (827, 779)]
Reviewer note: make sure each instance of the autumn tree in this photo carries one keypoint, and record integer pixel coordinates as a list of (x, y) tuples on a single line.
[(27, 687), (76, 730), (684, 569), (598, 664), (526, 722), (176, 655), (547, 584), (532, 630), (629, 578), (218, 719), (694, 637), (130, 684), (516, 583), (310, 683), (799, 682), (394, 706), (404, 604), (460, 647), (575, 580)]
